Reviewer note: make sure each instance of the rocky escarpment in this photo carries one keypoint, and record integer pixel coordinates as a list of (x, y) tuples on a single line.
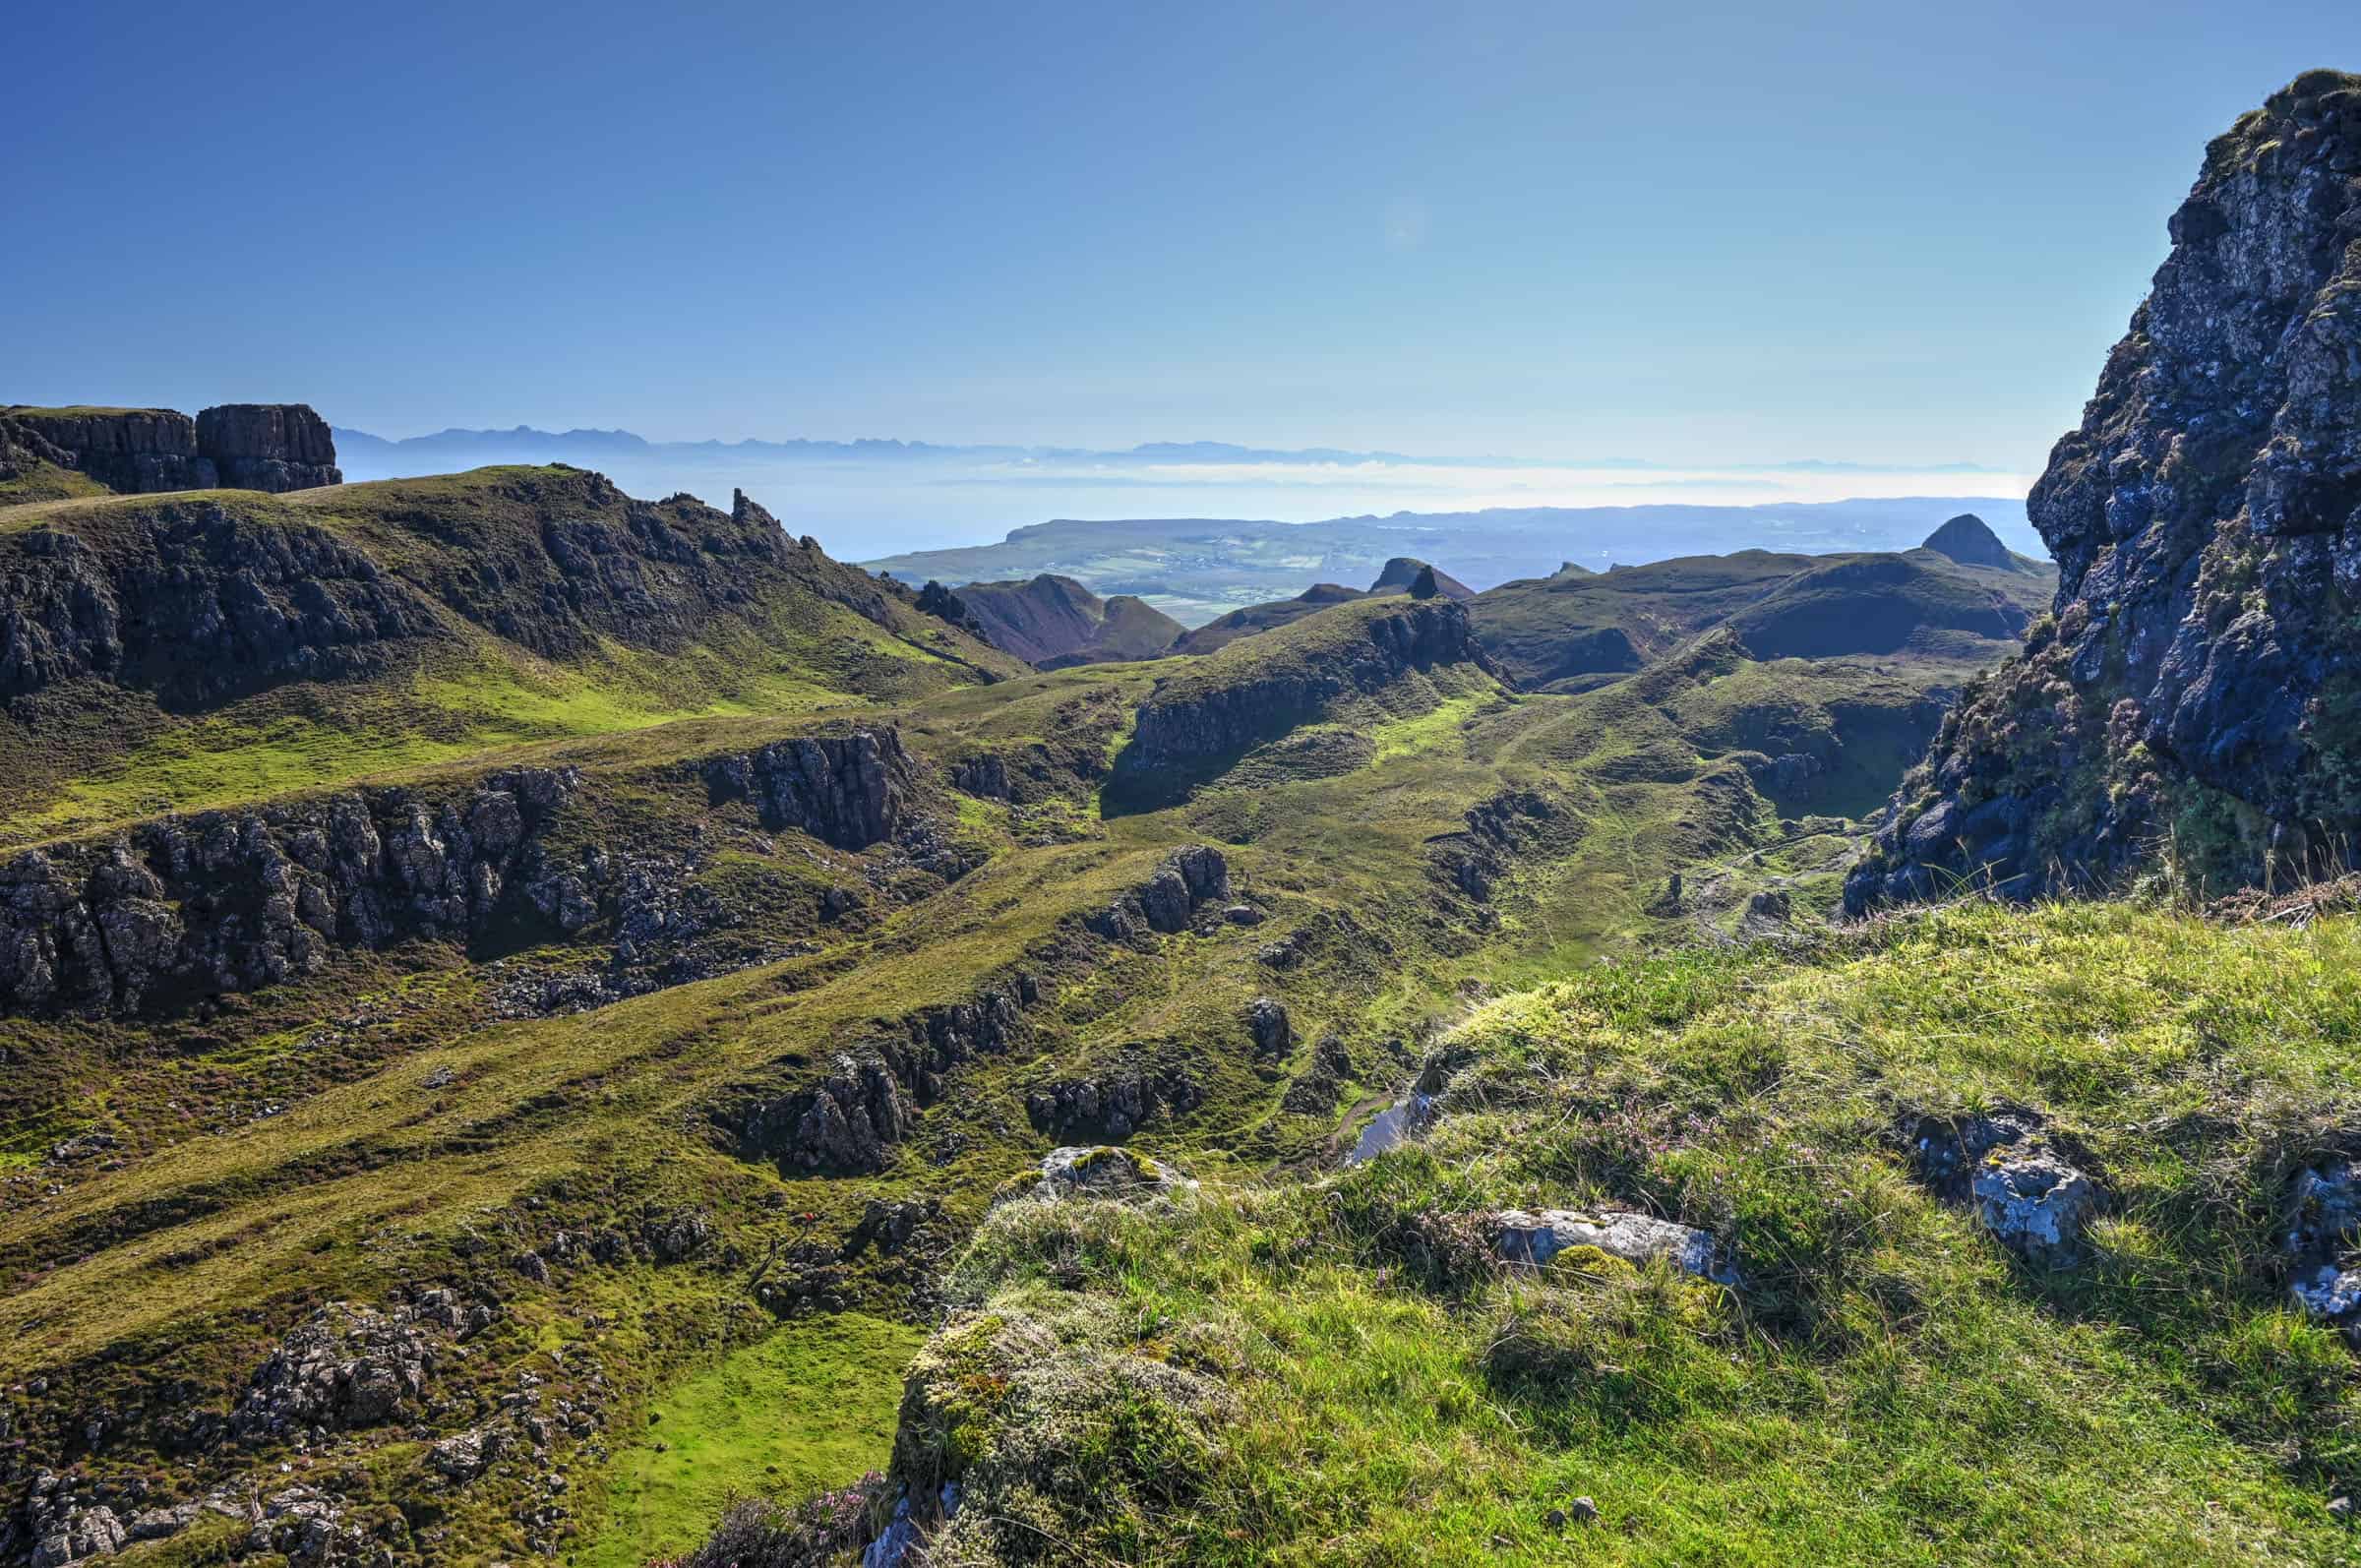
[(848, 790), (270, 447), (223, 901), (232, 900), (1254, 691), (2198, 694), (195, 602), (868, 1101)]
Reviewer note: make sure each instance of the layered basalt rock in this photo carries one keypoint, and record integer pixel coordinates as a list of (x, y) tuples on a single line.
[(200, 604), (134, 450), (233, 900), (2198, 694), (272, 446), (225, 901), (269, 445), (849, 790)]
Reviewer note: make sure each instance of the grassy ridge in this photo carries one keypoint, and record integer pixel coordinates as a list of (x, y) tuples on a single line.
[(510, 644)]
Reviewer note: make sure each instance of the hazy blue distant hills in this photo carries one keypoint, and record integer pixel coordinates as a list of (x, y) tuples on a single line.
[(525, 444), (1197, 568)]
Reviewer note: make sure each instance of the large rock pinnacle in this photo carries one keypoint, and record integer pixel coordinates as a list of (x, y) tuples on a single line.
[(2195, 701)]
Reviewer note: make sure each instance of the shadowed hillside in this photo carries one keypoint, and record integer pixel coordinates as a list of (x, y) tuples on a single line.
[(1053, 622)]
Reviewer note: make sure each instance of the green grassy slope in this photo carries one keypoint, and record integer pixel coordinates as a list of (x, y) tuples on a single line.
[(1404, 832), (1334, 1372), (529, 604)]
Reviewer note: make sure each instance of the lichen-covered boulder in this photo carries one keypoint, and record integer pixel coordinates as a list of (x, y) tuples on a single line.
[(2034, 1202), (2324, 1218), (1104, 1171), (1521, 1236)]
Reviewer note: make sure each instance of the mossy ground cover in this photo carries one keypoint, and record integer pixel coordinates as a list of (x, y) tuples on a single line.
[(806, 1408), (1355, 1383)]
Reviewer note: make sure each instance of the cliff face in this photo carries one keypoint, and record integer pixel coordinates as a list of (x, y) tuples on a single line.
[(195, 602), (270, 447), (232, 900), (2197, 695)]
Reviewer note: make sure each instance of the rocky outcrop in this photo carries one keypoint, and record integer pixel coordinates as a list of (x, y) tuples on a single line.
[(2035, 1203), (2324, 1221), (1519, 1236), (1268, 1026), (851, 1118), (224, 901), (848, 790), (1499, 829), (1113, 1104), (847, 1122), (345, 1365), (2023, 1189), (1249, 693), (63, 1528), (143, 450), (464, 1456), (2198, 690), (198, 604), (269, 445), (1167, 902)]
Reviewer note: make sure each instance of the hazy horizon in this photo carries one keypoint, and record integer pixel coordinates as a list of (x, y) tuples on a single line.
[(863, 507)]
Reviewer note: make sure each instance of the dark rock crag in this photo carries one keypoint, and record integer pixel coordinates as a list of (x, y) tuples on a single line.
[(205, 605), (1113, 1105), (849, 790), (2196, 697), (849, 1120), (272, 446), (1167, 902), (233, 900), (223, 901)]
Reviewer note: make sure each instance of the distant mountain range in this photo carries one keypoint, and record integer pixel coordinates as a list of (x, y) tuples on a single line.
[(1199, 568), (368, 457)]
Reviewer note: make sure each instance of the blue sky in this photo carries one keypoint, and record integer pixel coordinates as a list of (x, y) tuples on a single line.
[(1882, 234)]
